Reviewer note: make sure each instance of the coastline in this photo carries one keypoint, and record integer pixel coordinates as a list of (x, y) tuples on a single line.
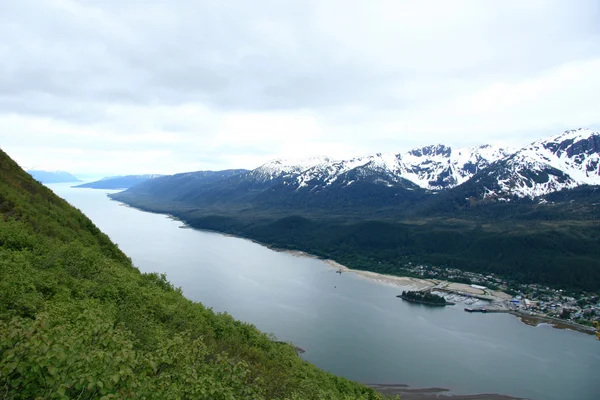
[(401, 281), (398, 281), (434, 393), (535, 320), (419, 284)]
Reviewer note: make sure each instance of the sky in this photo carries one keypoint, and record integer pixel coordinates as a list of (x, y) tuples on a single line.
[(114, 87)]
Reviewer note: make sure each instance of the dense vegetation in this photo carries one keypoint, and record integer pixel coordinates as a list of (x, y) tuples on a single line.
[(423, 297), (77, 320), (532, 246), (554, 242)]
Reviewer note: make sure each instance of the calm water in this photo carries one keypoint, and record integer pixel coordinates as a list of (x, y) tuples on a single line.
[(349, 325)]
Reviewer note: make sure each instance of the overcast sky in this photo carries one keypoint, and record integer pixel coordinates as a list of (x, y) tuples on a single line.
[(130, 86)]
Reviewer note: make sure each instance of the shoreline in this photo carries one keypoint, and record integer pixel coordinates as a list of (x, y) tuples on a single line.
[(402, 281), (535, 320), (433, 393), (418, 284), (393, 280)]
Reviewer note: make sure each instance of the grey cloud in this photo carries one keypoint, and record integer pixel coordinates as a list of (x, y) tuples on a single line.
[(242, 80), (272, 55)]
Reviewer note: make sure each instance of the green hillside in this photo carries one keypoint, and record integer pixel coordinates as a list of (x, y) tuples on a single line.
[(77, 320)]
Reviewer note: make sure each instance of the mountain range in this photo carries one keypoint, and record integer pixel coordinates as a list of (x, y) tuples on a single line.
[(52, 176), (560, 162), (564, 161), (529, 214), (117, 182)]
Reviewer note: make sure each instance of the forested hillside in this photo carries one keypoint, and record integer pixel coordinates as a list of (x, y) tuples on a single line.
[(554, 242), (558, 253), (77, 320), (530, 216)]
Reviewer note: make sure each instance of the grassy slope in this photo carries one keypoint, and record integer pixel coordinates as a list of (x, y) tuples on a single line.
[(77, 320)]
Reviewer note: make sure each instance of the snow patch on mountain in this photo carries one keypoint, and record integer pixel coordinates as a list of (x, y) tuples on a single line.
[(560, 162), (286, 167), (441, 167), (434, 167)]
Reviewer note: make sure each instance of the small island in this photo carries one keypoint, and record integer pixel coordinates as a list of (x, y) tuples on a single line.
[(424, 297)]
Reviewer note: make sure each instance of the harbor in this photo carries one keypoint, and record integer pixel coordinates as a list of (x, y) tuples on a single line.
[(481, 300)]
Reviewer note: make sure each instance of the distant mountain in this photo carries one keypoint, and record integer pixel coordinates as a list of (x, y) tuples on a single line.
[(440, 167), (286, 168), (52, 176), (117, 182), (407, 180), (561, 162), (278, 184), (370, 181), (436, 167), (529, 214), (180, 188)]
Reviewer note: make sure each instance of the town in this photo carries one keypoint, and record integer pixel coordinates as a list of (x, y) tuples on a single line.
[(530, 299)]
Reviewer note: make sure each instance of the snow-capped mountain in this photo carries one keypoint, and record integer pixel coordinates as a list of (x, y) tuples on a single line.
[(560, 162), (435, 168), (379, 168), (393, 180), (440, 167), (282, 168)]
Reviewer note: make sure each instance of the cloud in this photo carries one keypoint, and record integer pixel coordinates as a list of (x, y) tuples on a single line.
[(231, 84)]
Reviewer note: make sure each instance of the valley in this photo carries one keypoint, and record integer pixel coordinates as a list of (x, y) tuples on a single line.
[(299, 200), (351, 323), (369, 214)]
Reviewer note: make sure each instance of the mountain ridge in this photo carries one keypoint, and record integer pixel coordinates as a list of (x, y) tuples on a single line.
[(118, 182), (361, 215), (52, 176), (545, 166)]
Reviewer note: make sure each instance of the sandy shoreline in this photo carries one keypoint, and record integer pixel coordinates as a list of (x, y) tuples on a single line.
[(403, 281), (399, 281)]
